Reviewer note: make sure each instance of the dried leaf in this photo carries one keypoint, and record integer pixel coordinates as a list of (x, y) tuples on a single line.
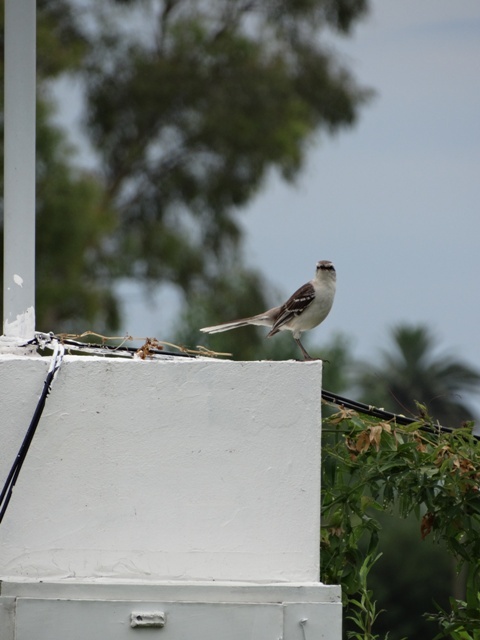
[(363, 441), (426, 524), (341, 415)]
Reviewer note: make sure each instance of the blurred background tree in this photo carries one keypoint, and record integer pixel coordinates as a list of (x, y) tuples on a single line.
[(412, 370), (189, 105)]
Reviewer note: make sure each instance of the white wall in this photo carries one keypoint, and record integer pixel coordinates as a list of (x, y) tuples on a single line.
[(163, 470)]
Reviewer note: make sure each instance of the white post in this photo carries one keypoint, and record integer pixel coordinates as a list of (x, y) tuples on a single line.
[(19, 184)]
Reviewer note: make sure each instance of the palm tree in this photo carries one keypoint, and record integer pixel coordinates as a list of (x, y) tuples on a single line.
[(413, 371)]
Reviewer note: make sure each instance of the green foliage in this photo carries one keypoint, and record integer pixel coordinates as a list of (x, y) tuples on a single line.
[(363, 609), (61, 43), (72, 223), (462, 622), (373, 466)]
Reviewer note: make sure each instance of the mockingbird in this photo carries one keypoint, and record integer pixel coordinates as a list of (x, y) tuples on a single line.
[(305, 309)]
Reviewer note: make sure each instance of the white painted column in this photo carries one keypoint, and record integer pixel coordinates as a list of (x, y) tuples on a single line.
[(19, 189)]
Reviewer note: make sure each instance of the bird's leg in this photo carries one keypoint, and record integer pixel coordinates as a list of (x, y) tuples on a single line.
[(306, 356)]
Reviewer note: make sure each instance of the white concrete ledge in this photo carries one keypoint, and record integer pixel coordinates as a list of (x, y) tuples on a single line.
[(105, 589), (180, 470)]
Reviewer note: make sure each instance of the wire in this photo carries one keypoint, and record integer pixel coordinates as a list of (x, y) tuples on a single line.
[(151, 348), (107, 349), (366, 409), (43, 340), (55, 364)]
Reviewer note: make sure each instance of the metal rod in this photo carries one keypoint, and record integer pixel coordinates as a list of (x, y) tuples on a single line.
[(19, 177)]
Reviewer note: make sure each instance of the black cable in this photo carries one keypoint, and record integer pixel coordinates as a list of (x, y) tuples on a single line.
[(334, 398), (11, 480)]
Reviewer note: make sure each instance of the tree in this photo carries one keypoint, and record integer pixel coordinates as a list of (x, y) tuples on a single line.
[(189, 112), (189, 106), (413, 372), (72, 225)]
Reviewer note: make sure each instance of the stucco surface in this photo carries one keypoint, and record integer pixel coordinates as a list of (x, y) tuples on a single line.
[(172, 470)]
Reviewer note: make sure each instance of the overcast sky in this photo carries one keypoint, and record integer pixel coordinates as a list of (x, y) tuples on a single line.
[(394, 202)]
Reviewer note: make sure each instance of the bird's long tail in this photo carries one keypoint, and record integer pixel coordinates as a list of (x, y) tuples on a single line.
[(226, 326), (263, 319)]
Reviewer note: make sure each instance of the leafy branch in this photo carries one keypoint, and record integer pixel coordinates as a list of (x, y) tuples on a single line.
[(373, 466)]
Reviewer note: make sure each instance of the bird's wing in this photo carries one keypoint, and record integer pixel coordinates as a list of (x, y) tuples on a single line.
[(296, 304)]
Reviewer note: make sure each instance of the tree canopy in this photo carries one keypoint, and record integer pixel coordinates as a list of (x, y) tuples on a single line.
[(190, 114)]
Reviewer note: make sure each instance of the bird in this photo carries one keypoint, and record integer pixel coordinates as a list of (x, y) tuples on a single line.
[(304, 310)]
